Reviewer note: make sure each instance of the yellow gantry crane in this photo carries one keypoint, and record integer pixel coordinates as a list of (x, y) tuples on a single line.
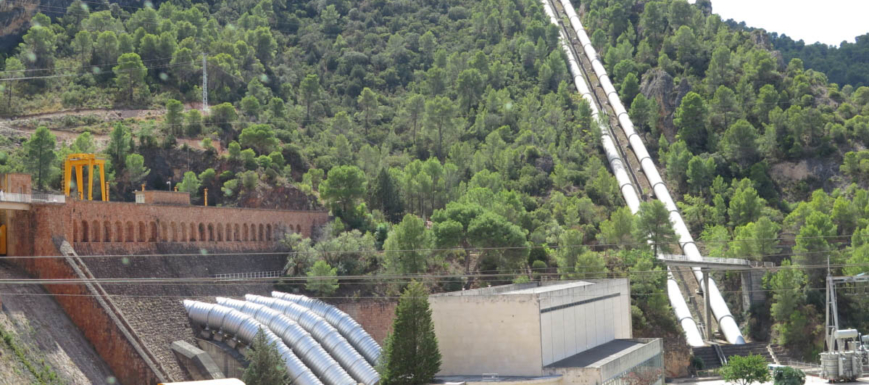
[(77, 162)]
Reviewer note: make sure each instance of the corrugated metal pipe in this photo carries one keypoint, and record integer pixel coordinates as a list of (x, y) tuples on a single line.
[(629, 191), (326, 334), (346, 325), (245, 328), (297, 339), (726, 322)]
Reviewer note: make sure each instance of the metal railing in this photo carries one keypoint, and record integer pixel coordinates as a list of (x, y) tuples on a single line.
[(251, 274), (802, 365), (32, 198), (712, 260)]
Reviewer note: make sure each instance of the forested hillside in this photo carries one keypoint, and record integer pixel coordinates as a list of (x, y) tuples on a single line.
[(446, 135), (846, 64), (754, 144)]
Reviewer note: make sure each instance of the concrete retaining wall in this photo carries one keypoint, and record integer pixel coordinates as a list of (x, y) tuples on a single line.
[(488, 334)]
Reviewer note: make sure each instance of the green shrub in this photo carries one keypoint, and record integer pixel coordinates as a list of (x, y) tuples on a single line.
[(788, 376)]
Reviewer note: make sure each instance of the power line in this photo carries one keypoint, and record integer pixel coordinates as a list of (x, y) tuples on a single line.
[(181, 65), (359, 279), (81, 67), (853, 293), (605, 246)]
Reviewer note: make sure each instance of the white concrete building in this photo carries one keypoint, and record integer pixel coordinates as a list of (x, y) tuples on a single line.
[(576, 332)]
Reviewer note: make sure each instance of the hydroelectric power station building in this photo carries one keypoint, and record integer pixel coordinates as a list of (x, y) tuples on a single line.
[(576, 332)]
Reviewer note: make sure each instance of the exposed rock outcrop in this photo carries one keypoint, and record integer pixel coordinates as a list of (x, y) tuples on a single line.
[(658, 85)]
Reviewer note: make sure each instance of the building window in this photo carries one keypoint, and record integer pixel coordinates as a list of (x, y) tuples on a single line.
[(153, 237), (95, 227), (141, 232), (131, 233)]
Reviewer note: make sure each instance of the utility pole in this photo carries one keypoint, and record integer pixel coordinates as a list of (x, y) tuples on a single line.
[(204, 82)]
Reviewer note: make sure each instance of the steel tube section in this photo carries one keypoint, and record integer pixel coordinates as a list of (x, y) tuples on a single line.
[(346, 325), (245, 328), (692, 333), (629, 192), (296, 338), (719, 307), (326, 334)]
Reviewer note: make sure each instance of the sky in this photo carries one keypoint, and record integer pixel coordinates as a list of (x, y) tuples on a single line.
[(825, 21)]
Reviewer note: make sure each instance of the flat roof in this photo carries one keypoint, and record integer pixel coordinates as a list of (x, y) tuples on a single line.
[(530, 288), (598, 355), (549, 288), (493, 377)]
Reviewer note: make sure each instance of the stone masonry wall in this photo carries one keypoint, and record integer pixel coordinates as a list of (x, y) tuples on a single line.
[(153, 312), (136, 227), (375, 316), (15, 183), (161, 197), (77, 300)]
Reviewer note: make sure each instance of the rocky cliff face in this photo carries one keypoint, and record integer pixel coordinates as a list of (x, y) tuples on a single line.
[(14, 20), (657, 85)]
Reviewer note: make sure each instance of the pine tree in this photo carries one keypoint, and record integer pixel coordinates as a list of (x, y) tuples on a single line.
[(318, 280), (410, 354), (266, 365), (386, 197), (130, 75), (40, 154), (653, 225)]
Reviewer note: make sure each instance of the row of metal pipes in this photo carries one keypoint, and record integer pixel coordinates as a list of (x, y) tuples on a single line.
[(318, 343), (719, 307)]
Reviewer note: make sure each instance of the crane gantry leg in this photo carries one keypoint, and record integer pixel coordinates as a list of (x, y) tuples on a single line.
[(77, 162)]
